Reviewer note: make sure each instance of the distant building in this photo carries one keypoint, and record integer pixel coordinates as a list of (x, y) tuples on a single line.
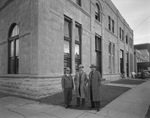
[(143, 46), (142, 56), (39, 38)]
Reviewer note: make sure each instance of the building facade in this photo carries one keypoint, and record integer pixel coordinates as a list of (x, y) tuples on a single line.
[(39, 38), (142, 57)]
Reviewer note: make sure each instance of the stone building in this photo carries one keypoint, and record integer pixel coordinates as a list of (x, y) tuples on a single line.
[(39, 38)]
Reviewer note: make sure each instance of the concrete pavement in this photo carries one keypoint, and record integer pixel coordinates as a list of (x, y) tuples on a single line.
[(132, 104), (121, 85)]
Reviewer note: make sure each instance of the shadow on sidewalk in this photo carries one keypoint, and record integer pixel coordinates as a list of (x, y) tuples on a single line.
[(107, 94), (58, 99)]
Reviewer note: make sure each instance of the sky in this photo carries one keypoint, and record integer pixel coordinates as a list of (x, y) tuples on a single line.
[(137, 15)]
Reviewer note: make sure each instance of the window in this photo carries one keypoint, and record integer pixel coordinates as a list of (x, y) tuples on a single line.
[(121, 61), (97, 43), (122, 35), (113, 26), (113, 57), (78, 2), (109, 23), (120, 32), (67, 42), (98, 52), (127, 39), (13, 49), (77, 45), (97, 12), (109, 54)]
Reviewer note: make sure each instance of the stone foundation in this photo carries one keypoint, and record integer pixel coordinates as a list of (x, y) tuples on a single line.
[(111, 77), (34, 87)]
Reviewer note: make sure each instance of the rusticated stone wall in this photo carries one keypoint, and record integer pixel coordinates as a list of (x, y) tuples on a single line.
[(34, 87)]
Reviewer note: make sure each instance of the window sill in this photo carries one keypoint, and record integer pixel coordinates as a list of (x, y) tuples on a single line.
[(98, 22)]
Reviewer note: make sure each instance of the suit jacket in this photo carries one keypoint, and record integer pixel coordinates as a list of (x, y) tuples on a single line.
[(80, 85), (67, 82), (94, 84)]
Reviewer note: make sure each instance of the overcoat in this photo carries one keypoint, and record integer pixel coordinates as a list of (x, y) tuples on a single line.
[(94, 84), (82, 84)]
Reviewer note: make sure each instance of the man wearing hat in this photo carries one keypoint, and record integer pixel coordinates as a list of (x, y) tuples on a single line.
[(67, 87), (80, 81), (94, 86)]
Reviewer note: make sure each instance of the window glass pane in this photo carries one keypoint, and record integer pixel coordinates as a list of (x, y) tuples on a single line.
[(120, 32), (67, 28), (113, 23), (97, 8), (17, 47), (113, 49), (11, 68), (110, 62), (77, 51), (121, 53), (98, 43), (17, 64), (12, 49), (122, 35), (109, 48), (109, 23), (97, 12), (67, 63), (15, 31), (66, 48)]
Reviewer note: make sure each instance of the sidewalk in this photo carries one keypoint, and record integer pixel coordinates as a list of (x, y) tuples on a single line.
[(132, 104)]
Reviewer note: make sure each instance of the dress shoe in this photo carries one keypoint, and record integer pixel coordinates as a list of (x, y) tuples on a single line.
[(66, 106)]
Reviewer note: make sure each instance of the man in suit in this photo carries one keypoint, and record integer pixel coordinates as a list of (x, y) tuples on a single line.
[(80, 81), (94, 87), (67, 87)]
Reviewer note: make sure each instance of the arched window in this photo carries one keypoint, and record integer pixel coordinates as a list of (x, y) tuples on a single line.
[(13, 49), (97, 12)]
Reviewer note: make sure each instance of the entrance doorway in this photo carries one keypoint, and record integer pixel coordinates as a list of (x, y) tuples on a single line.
[(127, 64), (121, 62)]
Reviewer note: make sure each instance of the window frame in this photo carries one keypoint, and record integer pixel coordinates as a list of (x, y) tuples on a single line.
[(113, 26), (113, 56), (69, 40), (109, 23), (120, 32), (122, 35), (13, 59), (127, 41), (79, 43), (97, 12), (109, 55)]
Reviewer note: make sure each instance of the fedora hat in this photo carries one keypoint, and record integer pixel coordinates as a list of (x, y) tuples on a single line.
[(67, 69), (92, 66), (81, 66)]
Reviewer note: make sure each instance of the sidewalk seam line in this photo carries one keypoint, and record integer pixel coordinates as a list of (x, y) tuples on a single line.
[(50, 115), (80, 114), (16, 112)]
